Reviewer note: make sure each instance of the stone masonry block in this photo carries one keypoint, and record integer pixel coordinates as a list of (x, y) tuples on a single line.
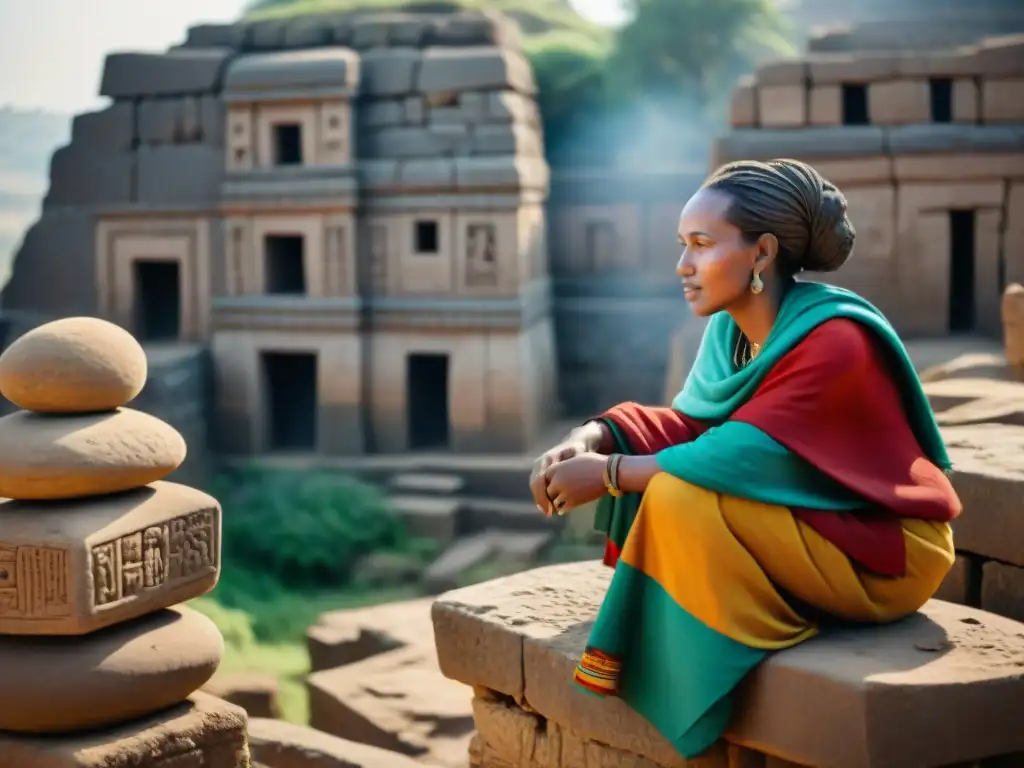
[(211, 120), (506, 140), (413, 30), (390, 71), (743, 104), (83, 176), (856, 68), (278, 744), (522, 636), (956, 587), (266, 34), (966, 100), (910, 139), (188, 174), (382, 113), (53, 272), (478, 68), (210, 36), (415, 110), (428, 173), (203, 731), (899, 102), (506, 171), (72, 567), (845, 141), (373, 31), (161, 121), (1003, 100), (998, 57), (474, 28), (784, 72), (112, 128), (782, 106), (405, 142), (309, 32), (511, 107), (132, 75), (1002, 590), (826, 105), (988, 463)]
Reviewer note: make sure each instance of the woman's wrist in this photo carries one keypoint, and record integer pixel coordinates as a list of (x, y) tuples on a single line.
[(635, 472)]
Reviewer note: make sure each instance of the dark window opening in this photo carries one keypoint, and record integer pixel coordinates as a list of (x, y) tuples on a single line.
[(427, 401), (961, 271), (288, 144), (285, 271), (291, 403), (941, 100), (855, 104), (426, 237), (157, 300)]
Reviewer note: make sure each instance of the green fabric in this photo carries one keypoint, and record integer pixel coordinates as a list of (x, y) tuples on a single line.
[(680, 672)]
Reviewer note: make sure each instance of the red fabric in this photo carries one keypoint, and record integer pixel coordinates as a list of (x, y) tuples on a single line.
[(831, 401)]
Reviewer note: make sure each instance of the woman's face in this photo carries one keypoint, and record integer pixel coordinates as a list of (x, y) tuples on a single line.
[(717, 264)]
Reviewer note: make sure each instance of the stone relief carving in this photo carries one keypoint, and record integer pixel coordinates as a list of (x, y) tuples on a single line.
[(379, 258), (157, 557), (335, 262), (481, 255), (33, 582), (601, 246), (237, 261)]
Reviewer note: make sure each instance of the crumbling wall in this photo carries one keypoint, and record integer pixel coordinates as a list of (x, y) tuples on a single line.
[(909, 138)]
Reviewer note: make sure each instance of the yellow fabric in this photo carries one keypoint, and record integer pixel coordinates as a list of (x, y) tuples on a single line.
[(718, 557)]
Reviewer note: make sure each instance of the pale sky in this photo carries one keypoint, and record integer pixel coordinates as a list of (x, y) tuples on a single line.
[(51, 51)]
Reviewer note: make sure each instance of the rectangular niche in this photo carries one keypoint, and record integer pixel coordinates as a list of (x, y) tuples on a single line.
[(426, 238), (287, 147), (481, 256), (284, 264)]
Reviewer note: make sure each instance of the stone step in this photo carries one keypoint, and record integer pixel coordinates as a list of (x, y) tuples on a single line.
[(426, 483), (480, 513), (950, 393), (512, 548), (428, 516)]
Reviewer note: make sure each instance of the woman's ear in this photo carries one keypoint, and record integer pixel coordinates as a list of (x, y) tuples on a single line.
[(767, 250)]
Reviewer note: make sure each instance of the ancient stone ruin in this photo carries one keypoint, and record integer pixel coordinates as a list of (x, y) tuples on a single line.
[(100, 661), (349, 212), (927, 148)]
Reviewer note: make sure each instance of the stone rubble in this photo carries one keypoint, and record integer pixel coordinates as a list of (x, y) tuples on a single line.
[(92, 633)]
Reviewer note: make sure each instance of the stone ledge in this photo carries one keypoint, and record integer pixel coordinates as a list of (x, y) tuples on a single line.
[(521, 636), (277, 744)]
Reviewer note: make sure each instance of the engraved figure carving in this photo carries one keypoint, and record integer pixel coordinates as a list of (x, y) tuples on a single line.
[(154, 557), (33, 582), (179, 550), (481, 255), (104, 573), (131, 565)]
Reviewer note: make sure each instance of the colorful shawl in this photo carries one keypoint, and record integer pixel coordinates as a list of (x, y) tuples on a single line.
[(830, 421), (799, 426)]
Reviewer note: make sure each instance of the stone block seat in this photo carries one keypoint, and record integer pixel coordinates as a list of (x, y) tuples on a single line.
[(944, 687)]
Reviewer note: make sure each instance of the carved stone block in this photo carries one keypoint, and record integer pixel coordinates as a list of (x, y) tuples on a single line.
[(72, 567)]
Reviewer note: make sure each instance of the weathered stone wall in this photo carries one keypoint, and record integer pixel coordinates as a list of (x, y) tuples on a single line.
[(847, 699), (179, 391), (909, 138)]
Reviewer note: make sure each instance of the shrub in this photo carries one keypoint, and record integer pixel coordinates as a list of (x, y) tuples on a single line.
[(302, 529)]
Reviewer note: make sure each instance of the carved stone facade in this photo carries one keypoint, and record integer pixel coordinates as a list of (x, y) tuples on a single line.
[(360, 240), (927, 149)]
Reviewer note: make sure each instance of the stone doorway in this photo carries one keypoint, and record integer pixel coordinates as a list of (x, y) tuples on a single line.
[(427, 401), (290, 400), (157, 299), (962, 240)]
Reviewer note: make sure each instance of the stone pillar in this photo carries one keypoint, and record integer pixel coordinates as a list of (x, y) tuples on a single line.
[(97, 554), (1013, 328)]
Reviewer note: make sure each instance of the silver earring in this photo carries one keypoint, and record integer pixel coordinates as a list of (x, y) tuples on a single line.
[(756, 285)]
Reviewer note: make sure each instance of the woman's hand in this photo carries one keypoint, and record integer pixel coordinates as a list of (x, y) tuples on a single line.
[(576, 481), (589, 438)]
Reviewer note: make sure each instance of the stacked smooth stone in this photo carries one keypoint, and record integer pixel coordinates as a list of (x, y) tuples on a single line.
[(97, 552)]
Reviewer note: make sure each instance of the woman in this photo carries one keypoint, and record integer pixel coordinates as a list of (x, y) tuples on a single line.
[(798, 477)]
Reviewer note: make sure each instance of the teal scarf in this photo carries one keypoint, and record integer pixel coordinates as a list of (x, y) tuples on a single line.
[(738, 458)]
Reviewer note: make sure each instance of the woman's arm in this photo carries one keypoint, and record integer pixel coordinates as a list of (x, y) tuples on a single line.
[(647, 429), (635, 472)]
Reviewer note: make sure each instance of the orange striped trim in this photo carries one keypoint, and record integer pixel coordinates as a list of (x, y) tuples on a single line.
[(598, 672)]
